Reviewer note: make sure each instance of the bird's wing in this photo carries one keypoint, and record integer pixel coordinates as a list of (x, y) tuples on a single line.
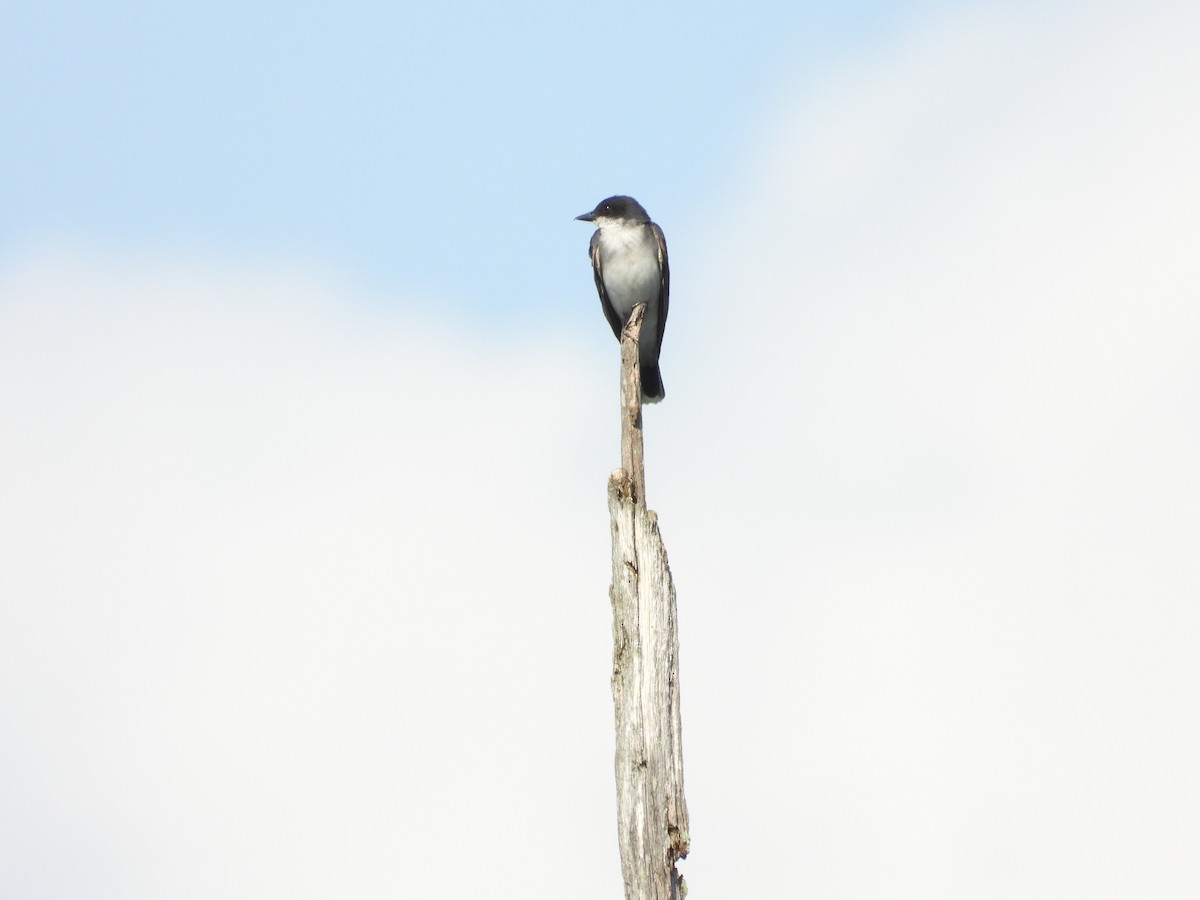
[(664, 285), (609, 313)]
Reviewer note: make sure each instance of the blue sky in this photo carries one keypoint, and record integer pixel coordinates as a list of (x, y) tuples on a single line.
[(307, 408), (419, 147)]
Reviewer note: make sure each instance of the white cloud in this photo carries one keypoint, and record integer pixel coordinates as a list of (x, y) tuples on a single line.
[(306, 598), (297, 595), (952, 403)]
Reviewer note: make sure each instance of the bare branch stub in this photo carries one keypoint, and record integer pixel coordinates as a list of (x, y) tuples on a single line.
[(631, 404), (652, 819)]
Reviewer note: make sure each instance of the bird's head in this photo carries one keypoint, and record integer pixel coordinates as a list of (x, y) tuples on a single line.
[(614, 210)]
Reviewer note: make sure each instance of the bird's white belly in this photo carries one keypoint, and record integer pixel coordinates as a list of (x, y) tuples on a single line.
[(631, 273)]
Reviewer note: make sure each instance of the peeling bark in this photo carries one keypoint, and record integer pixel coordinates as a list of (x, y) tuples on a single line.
[(652, 817)]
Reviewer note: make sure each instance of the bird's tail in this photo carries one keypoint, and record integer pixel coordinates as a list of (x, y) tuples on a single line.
[(652, 386)]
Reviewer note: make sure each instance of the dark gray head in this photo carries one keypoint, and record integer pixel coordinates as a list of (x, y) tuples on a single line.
[(619, 209)]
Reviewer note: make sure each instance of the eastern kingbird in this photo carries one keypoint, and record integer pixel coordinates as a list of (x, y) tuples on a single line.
[(629, 260)]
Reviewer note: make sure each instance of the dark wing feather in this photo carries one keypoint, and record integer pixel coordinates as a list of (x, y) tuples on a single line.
[(609, 313), (664, 290)]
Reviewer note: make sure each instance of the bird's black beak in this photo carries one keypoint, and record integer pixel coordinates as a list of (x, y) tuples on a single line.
[(586, 217)]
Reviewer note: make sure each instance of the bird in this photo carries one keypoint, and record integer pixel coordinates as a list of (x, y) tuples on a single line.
[(629, 262)]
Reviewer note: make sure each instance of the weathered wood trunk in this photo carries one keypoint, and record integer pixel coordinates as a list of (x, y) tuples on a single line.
[(652, 817)]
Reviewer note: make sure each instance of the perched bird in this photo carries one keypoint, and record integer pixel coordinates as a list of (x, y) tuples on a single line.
[(629, 260)]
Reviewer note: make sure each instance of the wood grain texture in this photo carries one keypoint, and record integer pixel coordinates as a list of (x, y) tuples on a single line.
[(631, 404), (652, 817)]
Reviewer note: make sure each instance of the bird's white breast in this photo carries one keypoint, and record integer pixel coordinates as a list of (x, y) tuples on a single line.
[(629, 260)]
